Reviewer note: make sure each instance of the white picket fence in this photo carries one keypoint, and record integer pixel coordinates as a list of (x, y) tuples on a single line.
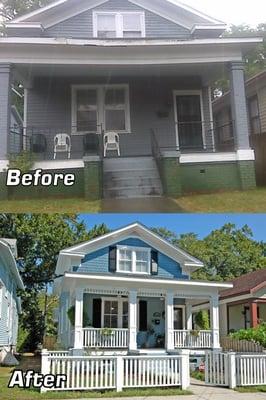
[(97, 338), (117, 372), (232, 369)]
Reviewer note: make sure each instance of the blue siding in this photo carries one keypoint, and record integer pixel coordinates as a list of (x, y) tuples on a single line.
[(9, 300), (81, 25), (97, 262)]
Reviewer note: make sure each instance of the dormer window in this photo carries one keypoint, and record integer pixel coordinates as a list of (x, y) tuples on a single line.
[(110, 25), (133, 260)]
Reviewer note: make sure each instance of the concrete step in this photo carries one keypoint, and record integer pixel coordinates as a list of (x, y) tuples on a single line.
[(119, 164), (131, 173), (133, 192), (135, 181)]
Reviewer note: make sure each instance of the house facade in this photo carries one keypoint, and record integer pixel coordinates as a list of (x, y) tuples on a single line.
[(132, 292), (244, 305), (142, 69), (256, 106), (10, 307)]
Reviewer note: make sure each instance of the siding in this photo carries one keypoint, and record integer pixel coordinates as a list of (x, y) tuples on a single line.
[(50, 100), (8, 331), (97, 262), (81, 26), (262, 107)]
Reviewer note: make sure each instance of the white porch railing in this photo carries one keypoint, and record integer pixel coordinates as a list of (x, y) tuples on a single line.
[(105, 339), (193, 339), (109, 372)]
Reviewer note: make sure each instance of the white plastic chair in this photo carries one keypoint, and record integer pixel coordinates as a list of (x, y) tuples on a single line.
[(62, 144), (111, 142)]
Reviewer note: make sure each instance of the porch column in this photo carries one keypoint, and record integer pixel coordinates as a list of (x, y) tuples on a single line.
[(253, 314), (188, 316), (78, 340), (169, 321), (132, 320), (5, 108), (214, 313), (239, 105)]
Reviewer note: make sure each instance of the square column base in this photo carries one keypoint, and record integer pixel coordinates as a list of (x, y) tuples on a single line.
[(247, 175)]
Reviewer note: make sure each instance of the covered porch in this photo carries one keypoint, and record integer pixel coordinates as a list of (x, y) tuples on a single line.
[(139, 320)]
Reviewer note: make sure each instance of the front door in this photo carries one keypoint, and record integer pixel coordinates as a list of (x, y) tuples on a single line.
[(188, 113)]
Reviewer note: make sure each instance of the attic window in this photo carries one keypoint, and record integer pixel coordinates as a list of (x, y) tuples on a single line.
[(133, 259), (108, 25)]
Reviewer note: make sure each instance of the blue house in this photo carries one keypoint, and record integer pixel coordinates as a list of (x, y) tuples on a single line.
[(10, 307), (132, 291), (107, 81)]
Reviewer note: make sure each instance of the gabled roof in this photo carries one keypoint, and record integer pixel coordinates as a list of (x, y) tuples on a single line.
[(10, 262), (172, 10), (246, 284), (133, 230)]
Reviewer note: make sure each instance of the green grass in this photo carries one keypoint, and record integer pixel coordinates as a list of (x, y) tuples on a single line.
[(253, 201), (200, 376), (33, 394), (50, 206), (251, 389)]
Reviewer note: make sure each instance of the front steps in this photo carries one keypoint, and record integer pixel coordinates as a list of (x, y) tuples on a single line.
[(131, 178)]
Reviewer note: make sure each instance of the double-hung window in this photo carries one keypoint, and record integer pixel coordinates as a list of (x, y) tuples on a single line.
[(110, 25), (133, 259)]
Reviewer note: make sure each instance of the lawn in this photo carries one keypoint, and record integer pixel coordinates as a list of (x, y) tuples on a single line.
[(251, 389), (253, 201), (69, 206), (33, 394)]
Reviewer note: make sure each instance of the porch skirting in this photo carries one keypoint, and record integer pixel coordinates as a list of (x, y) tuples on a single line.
[(177, 179)]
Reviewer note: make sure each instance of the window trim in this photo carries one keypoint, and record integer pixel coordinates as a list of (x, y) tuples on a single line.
[(100, 88), (118, 23), (134, 249), (120, 301)]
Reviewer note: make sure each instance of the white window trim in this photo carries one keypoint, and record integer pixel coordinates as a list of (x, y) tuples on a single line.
[(189, 93), (119, 22), (120, 301), (133, 265), (100, 105)]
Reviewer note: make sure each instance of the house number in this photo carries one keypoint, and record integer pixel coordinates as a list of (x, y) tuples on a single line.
[(15, 178)]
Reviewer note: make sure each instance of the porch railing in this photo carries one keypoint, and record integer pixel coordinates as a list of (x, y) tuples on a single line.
[(193, 339), (105, 338)]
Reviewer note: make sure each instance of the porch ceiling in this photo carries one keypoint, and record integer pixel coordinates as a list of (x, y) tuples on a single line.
[(206, 72)]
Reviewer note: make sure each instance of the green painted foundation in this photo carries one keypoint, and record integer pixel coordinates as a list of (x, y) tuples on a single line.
[(3, 188), (93, 180), (181, 179)]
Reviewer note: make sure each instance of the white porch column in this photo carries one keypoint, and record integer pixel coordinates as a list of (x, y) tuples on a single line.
[(78, 341), (169, 321), (132, 320), (188, 316), (214, 313)]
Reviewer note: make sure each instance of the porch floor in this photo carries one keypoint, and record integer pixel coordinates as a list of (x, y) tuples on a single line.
[(141, 205)]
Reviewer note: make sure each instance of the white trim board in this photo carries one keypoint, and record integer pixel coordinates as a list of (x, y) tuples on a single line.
[(240, 155), (60, 164)]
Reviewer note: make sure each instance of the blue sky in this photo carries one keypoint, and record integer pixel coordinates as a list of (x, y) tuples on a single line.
[(202, 224)]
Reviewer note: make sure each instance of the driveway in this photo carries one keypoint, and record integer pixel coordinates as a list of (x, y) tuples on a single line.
[(141, 205)]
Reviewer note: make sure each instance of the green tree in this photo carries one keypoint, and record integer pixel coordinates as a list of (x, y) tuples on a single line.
[(13, 8), (40, 238)]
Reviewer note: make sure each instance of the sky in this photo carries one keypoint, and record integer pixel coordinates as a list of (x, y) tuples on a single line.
[(232, 11), (202, 224)]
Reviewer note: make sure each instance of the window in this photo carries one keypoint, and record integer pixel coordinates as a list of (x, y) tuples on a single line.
[(108, 25), (115, 313), (131, 259), (105, 106), (254, 116)]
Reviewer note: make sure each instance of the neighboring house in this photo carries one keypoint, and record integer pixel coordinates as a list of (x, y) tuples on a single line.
[(244, 305), (256, 106), (132, 292), (10, 282), (16, 131), (140, 68)]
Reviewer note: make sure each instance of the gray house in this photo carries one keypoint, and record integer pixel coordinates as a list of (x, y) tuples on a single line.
[(119, 91)]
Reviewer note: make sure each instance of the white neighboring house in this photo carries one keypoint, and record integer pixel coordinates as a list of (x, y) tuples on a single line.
[(133, 293), (10, 306)]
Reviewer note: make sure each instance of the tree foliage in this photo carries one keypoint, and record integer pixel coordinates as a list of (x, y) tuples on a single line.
[(40, 238), (13, 8)]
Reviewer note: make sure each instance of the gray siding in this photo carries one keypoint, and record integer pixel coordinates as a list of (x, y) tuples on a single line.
[(49, 106), (81, 25)]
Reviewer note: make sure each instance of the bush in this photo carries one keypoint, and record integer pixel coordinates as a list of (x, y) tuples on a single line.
[(23, 161), (257, 335), (202, 320), (71, 317), (23, 340)]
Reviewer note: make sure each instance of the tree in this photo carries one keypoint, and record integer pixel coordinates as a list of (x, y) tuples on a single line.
[(13, 8), (40, 238)]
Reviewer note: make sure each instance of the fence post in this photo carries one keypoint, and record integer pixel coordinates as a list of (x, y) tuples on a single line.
[(232, 370), (45, 366), (119, 374), (184, 369)]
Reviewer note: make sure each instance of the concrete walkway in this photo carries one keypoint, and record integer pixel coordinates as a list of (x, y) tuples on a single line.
[(141, 205)]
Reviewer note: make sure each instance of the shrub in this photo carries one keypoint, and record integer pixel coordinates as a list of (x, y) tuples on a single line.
[(71, 317), (202, 320), (24, 161), (257, 335)]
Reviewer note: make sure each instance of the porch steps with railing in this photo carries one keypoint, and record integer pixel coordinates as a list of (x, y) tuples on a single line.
[(131, 178)]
